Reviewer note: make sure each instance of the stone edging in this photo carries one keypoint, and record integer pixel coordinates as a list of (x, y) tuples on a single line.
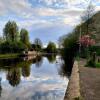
[(73, 89)]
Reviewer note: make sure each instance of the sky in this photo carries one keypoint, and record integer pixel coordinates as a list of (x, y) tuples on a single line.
[(44, 19)]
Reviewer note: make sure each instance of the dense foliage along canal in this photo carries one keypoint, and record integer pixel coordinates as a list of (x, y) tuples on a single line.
[(42, 78)]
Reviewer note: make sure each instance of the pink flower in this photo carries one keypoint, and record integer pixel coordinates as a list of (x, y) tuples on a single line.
[(86, 40)]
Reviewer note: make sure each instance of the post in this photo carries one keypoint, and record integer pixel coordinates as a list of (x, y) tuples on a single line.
[(94, 57), (80, 43)]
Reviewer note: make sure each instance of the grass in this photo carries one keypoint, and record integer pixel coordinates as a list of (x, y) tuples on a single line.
[(90, 63), (98, 65), (12, 55), (78, 98)]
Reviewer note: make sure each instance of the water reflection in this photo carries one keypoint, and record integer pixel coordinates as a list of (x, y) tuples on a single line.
[(38, 79), (65, 70), (39, 61), (0, 87), (13, 76), (51, 58), (14, 68), (26, 69)]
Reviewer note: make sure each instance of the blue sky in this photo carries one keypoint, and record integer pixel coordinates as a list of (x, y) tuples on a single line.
[(44, 19)]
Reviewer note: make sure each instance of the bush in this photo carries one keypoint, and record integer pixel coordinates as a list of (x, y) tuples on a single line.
[(12, 47), (91, 63), (98, 65), (51, 48), (95, 49)]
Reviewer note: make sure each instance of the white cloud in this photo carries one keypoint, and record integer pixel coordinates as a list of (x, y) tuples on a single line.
[(58, 12), (20, 7), (71, 21), (30, 23), (25, 10), (69, 14), (97, 8)]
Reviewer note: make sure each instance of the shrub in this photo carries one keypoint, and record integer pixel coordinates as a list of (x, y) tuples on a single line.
[(12, 47)]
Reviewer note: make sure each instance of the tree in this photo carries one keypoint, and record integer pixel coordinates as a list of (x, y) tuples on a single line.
[(10, 32), (86, 17), (51, 48), (24, 38), (38, 44), (1, 40)]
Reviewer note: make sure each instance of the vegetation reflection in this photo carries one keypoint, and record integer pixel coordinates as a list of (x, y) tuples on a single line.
[(51, 58), (13, 76)]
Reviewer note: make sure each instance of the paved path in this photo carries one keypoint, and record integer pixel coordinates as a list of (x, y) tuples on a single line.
[(89, 82)]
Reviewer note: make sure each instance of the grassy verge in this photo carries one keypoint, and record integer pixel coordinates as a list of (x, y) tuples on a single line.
[(98, 65), (5, 56), (90, 63)]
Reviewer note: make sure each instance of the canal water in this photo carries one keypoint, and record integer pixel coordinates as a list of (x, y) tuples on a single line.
[(41, 78)]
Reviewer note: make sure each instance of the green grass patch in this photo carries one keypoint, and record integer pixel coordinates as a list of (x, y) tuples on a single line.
[(78, 98), (6, 56), (90, 63), (98, 65)]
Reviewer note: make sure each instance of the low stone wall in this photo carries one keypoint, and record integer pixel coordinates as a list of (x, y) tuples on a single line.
[(73, 89)]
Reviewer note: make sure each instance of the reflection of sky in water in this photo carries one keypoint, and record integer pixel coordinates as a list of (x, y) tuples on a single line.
[(44, 83)]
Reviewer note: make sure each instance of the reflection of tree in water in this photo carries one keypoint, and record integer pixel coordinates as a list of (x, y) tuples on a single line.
[(14, 69), (66, 67), (51, 58), (13, 76), (0, 87), (39, 61), (26, 69), (63, 71), (9, 62)]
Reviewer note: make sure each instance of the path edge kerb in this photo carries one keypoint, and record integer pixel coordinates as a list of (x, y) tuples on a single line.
[(73, 89)]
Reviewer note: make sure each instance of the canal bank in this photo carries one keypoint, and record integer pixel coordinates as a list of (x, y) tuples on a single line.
[(29, 54), (7, 56), (73, 89)]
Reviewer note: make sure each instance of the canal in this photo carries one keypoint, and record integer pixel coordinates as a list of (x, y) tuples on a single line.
[(41, 78)]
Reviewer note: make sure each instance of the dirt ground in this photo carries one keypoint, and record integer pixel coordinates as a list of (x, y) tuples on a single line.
[(89, 82)]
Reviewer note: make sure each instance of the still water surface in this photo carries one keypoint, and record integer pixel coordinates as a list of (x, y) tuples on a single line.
[(37, 79)]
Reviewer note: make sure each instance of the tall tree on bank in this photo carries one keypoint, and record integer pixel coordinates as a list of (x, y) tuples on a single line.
[(51, 47), (86, 17), (38, 44), (10, 32), (24, 37)]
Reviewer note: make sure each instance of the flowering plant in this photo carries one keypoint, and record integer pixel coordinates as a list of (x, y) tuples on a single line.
[(86, 40)]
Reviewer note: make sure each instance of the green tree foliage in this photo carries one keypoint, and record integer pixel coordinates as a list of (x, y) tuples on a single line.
[(70, 45), (37, 44), (86, 17), (69, 48), (12, 41), (24, 37), (10, 32), (12, 47), (1, 40), (51, 47)]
